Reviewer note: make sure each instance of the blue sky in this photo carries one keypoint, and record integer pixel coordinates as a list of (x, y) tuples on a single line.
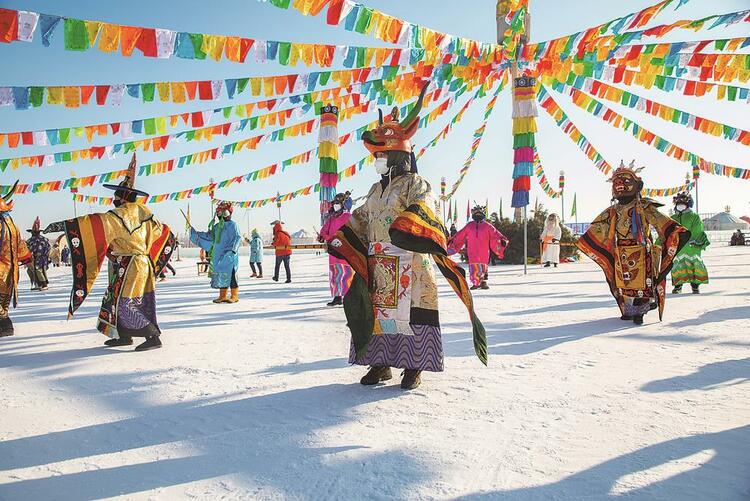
[(489, 178)]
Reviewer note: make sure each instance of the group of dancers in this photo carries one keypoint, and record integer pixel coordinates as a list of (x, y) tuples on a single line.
[(381, 258)]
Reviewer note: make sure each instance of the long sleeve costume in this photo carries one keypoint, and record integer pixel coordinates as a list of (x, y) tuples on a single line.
[(478, 237), (619, 241), (688, 264), (340, 274), (392, 305), (550, 242), (40, 248), (222, 243), (13, 250), (138, 246)]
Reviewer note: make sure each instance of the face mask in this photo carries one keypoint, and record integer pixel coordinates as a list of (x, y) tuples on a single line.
[(680, 207), (478, 217), (381, 165), (336, 207)]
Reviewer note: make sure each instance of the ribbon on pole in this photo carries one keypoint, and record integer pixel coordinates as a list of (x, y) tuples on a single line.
[(328, 154)]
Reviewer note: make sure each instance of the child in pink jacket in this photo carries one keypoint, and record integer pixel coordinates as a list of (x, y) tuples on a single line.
[(340, 274), (479, 237)]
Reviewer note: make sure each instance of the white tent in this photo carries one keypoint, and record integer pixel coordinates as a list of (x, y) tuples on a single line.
[(724, 221)]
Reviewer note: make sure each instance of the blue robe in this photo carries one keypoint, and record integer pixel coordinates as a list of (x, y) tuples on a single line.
[(222, 242), (256, 249)]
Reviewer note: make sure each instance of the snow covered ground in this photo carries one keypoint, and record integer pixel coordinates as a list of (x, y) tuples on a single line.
[(256, 400)]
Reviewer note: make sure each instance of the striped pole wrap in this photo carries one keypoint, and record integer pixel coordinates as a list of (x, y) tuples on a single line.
[(328, 154), (524, 143)]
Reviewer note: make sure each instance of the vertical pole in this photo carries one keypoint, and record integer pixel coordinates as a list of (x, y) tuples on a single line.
[(75, 207), (525, 240), (697, 211), (562, 199)]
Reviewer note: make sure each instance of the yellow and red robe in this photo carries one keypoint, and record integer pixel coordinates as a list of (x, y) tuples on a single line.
[(13, 250), (620, 242), (138, 247)]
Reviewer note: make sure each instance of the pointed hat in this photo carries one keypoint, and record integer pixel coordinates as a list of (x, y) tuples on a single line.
[(127, 185)]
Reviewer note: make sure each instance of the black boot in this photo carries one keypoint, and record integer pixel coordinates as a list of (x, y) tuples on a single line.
[(411, 380), (123, 341), (376, 374), (547, 264), (695, 288), (151, 343), (473, 287), (626, 317), (555, 264), (336, 301), (6, 327), (677, 289), (638, 319), (484, 285)]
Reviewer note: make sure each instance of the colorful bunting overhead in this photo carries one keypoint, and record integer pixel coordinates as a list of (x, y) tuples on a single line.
[(369, 90)]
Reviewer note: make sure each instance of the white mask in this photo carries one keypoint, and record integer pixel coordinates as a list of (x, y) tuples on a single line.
[(680, 207), (381, 165), (336, 207)]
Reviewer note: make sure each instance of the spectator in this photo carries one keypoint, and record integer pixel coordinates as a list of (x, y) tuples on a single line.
[(282, 244)]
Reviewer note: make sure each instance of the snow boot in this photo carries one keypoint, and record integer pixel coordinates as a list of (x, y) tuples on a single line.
[(288, 281), (411, 380), (473, 287), (123, 341), (254, 275), (235, 295), (626, 317), (275, 279), (555, 264), (222, 296), (151, 343), (376, 374), (677, 289), (260, 276), (547, 264), (6, 327), (336, 302), (638, 319), (484, 285), (695, 288)]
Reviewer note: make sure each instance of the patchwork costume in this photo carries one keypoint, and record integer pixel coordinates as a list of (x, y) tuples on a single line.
[(391, 306), (138, 247), (340, 274), (40, 248), (13, 251), (688, 264), (620, 242), (479, 238), (222, 243)]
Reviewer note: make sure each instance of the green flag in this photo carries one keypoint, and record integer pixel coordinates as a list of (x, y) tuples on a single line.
[(573, 211)]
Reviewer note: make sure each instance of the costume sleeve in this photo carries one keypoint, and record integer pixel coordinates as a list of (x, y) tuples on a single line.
[(698, 237), (598, 244), (24, 254), (458, 241), (202, 239), (88, 238), (162, 244), (557, 235), (418, 229), (498, 242)]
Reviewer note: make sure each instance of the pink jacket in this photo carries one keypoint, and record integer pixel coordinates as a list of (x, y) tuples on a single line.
[(479, 238), (329, 230)]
